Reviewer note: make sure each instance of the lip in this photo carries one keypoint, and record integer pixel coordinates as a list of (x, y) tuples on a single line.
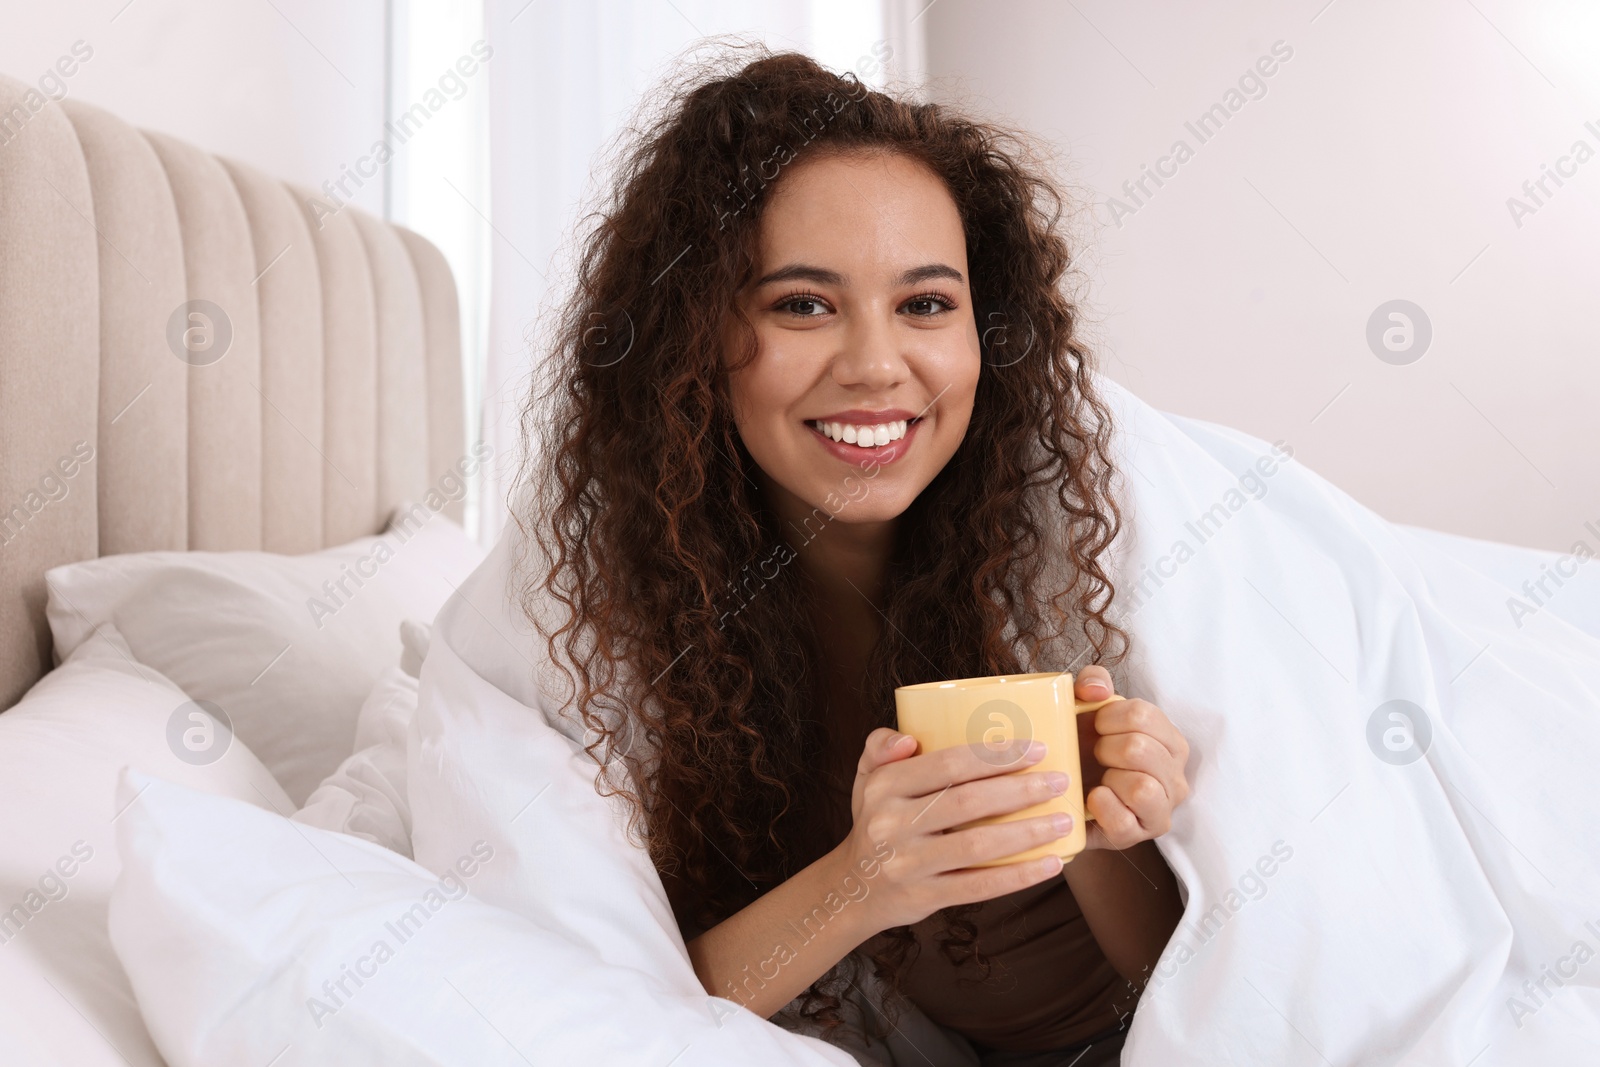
[(861, 457)]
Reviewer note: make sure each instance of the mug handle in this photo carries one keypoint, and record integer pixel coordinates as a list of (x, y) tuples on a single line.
[(1080, 707)]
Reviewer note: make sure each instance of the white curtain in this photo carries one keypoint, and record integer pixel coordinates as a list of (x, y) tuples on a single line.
[(565, 77), (438, 182)]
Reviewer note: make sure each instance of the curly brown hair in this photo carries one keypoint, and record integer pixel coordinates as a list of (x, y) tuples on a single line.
[(650, 520)]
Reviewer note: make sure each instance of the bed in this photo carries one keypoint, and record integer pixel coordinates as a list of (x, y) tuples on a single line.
[(339, 394), (214, 392), (192, 359)]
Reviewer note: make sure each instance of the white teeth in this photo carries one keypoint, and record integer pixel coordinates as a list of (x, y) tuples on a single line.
[(863, 436)]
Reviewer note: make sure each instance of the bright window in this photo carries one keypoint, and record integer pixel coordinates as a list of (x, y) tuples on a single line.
[(438, 182)]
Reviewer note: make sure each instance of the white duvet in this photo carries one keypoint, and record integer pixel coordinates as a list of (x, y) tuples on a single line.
[(1370, 881), (1388, 856)]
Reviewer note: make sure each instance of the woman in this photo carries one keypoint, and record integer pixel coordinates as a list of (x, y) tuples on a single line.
[(821, 427)]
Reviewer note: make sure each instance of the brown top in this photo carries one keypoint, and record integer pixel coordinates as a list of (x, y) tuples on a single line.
[(1049, 985)]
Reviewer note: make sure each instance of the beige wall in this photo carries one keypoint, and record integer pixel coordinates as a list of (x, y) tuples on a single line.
[(1374, 164), (295, 87)]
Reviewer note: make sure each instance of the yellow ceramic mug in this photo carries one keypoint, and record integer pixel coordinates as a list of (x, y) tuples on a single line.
[(992, 712)]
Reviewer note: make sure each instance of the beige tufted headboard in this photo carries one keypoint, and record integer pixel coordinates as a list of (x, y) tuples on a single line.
[(339, 393)]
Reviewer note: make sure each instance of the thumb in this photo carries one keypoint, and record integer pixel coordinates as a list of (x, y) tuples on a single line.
[(1092, 683), (885, 746)]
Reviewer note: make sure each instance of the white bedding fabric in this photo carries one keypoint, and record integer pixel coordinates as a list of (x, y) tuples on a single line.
[(366, 795), (64, 999), (287, 646), (1571, 588), (1344, 905), (251, 940), (1419, 896)]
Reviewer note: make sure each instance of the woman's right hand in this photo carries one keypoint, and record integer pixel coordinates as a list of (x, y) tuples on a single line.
[(902, 806)]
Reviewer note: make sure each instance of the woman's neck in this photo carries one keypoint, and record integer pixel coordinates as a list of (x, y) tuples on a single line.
[(849, 562)]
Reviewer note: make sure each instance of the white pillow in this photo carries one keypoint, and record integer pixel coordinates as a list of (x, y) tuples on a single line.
[(60, 750), (414, 638), (287, 646), (366, 796), (244, 944)]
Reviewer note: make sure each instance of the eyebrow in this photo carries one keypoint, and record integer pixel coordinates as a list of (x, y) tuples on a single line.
[(805, 272), (929, 272)]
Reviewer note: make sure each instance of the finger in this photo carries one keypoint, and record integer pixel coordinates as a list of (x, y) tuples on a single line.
[(961, 849), (884, 746), (1141, 716), (1114, 825), (1087, 739), (932, 772), (1092, 683), (1145, 797), (986, 883), (1139, 752), (1002, 795)]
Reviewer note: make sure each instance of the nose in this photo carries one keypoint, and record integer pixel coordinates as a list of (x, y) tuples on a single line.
[(871, 358)]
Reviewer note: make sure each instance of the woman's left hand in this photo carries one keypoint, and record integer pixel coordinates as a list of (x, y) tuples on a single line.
[(1133, 760)]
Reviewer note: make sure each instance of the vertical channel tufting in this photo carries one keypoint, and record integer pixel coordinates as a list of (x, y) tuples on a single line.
[(350, 506), (49, 371), (402, 429), (143, 453), (222, 344), (190, 358), (289, 298), (441, 321)]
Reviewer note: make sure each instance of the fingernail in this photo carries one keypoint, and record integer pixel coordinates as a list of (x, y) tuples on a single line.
[(1034, 752), (1062, 822), (1097, 684), (1050, 864), (1058, 782)]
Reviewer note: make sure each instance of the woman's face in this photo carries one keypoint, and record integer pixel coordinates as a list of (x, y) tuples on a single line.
[(863, 319)]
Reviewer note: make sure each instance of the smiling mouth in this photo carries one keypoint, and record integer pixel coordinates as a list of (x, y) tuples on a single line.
[(866, 438)]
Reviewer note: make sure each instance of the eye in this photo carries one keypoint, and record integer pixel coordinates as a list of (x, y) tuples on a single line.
[(927, 305), (803, 305)]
